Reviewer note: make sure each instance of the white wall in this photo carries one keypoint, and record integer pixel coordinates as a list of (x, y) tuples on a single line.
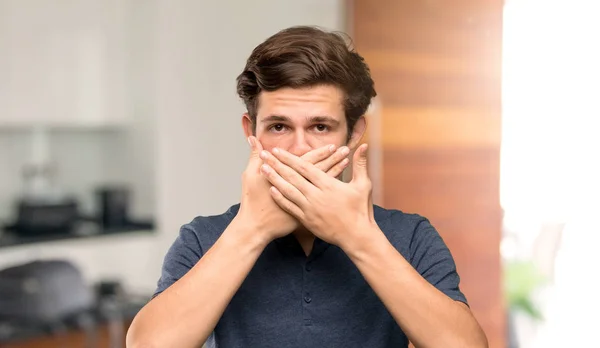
[(186, 136)]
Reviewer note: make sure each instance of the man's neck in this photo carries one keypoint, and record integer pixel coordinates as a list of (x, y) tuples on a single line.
[(305, 238)]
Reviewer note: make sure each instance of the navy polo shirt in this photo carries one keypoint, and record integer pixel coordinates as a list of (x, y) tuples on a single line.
[(290, 300)]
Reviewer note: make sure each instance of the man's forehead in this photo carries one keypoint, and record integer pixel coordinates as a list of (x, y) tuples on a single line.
[(299, 104), (315, 94)]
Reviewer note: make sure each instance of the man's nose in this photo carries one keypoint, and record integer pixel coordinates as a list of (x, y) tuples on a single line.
[(299, 145)]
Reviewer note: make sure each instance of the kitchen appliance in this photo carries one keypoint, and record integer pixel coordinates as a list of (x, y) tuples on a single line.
[(44, 218), (113, 202), (43, 207)]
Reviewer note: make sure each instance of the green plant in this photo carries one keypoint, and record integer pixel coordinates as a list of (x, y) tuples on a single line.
[(521, 279)]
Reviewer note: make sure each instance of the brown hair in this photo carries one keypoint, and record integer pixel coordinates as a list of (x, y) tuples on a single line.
[(306, 56)]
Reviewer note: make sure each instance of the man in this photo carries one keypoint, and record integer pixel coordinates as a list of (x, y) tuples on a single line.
[(306, 260)]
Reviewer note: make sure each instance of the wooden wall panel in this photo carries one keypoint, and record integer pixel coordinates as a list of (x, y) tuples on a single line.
[(420, 127), (436, 66)]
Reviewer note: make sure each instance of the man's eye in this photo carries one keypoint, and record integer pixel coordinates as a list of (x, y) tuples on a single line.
[(277, 127), (321, 128)]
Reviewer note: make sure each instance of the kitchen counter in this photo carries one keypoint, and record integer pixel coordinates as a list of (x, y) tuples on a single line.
[(9, 238)]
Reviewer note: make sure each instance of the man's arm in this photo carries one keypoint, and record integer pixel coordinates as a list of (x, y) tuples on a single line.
[(185, 314), (428, 317)]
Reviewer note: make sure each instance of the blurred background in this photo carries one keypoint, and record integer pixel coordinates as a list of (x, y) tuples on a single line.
[(119, 122)]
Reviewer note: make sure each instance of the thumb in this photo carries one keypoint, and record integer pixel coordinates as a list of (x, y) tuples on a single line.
[(255, 148), (359, 167)]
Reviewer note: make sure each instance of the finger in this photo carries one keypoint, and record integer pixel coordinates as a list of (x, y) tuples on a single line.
[(288, 190), (286, 204), (333, 160), (255, 149), (307, 170), (319, 154), (359, 167), (288, 174), (338, 169)]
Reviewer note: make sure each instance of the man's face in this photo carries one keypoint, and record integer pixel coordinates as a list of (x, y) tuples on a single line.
[(300, 120)]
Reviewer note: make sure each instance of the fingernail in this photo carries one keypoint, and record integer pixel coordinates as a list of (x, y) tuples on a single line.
[(264, 154), (265, 168), (275, 150), (331, 148), (345, 150), (345, 162)]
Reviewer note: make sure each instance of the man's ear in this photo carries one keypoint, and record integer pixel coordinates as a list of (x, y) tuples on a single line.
[(357, 132), (247, 125)]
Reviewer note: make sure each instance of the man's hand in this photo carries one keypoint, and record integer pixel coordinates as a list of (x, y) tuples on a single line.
[(328, 159), (329, 208), (257, 207)]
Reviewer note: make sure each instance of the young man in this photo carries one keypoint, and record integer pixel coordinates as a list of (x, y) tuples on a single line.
[(306, 260)]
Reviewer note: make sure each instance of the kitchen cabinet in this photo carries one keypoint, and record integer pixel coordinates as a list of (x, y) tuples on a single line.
[(63, 63)]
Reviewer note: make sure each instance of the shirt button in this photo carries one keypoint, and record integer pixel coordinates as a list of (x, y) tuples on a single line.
[(307, 298), (307, 267)]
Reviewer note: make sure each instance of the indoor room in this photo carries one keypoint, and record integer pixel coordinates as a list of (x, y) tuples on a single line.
[(121, 123)]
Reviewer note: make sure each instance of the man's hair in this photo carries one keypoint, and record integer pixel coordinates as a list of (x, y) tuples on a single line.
[(303, 56)]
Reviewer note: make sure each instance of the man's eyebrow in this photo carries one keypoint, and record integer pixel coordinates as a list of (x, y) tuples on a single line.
[(311, 119), (323, 119), (275, 118)]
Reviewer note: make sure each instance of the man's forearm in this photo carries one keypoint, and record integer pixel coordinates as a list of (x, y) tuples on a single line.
[(186, 313), (427, 316)]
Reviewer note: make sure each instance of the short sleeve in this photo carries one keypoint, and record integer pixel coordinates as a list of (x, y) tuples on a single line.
[(185, 252), (432, 259)]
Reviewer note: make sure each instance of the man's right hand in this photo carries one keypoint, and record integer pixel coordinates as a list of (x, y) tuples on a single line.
[(259, 210)]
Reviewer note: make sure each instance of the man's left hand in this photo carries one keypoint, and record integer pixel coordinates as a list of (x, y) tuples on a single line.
[(332, 210)]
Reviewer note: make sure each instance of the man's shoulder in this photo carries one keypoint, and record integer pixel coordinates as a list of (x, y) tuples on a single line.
[(399, 226), (208, 228), (394, 219)]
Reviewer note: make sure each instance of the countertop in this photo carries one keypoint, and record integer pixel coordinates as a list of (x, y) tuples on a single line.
[(9, 238)]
